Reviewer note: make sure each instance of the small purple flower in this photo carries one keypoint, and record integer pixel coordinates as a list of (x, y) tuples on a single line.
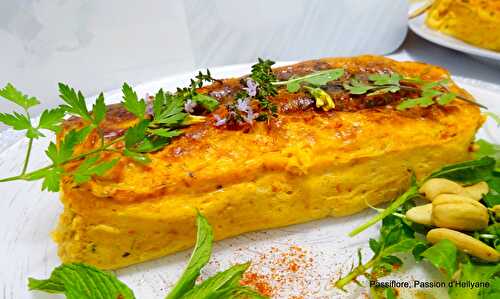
[(250, 116), (243, 105), (219, 121), (251, 87), (189, 106)]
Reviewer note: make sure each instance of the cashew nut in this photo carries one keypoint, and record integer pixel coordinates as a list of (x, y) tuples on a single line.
[(434, 187), (420, 214), (459, 212), (477, 191), (464, 243)]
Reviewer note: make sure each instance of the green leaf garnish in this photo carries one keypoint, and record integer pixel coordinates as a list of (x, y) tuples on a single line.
[(90, 167), (495, 117), (75, 102), (385, 79), (356, 87), (132, 103), (443, 255), (199, 258), (469, 172), (9, 92), (51, 119), (207, 102), (80, 281)]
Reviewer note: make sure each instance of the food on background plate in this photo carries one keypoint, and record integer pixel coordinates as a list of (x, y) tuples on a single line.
[(476, 22), (304, 160)]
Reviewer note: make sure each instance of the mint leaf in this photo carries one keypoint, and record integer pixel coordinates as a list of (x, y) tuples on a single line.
[(90, 167), (206, 101), (221, 285), (9, 92), (51, 119), (443, 255), (75, 102), (80, 281), (132, 103), (99, 110), (469, 172), (199, 258)]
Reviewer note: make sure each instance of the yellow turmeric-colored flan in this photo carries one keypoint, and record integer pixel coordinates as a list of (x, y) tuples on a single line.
[(302, 165), (474, 21)]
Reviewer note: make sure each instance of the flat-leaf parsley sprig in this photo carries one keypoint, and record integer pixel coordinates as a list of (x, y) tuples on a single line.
[(170, 112)]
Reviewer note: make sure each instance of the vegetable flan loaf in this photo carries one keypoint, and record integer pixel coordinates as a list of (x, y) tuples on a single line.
[(474, 21), (302, 164)]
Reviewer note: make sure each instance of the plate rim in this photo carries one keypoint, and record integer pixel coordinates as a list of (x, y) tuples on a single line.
[(448, 41)]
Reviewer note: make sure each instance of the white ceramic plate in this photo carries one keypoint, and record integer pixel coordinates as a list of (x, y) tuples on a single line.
[(27, 216), (418, 26)]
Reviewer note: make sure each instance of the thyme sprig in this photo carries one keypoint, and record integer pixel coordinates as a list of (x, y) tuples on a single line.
[(151, 132)]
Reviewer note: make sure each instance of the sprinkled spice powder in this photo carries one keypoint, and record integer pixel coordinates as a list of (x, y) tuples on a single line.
[(283, 270)]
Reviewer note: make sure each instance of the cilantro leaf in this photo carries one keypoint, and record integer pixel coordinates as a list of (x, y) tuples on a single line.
[(9, 92), (99, 110), (51, 119), (199, 258), (75, 102), (80, 281), (90, 167), (206, 101), (132, 102), (443, 255)]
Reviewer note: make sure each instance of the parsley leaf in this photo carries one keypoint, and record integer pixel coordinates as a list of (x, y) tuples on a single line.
[(418, 102), (132, 103), (75, 102), (80, 281), (90, 167), (137, 157), (20, 122), (99, 110), (9, 92), (67, 145), (51, 177), (51, 119)]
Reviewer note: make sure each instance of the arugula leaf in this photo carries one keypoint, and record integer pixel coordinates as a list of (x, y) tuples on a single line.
[(487, 149), (206, 101), (443, 255), (51, 119), (472, 272), (75, 102), (221, 285), (80, 281), (9, 92), (409, 194), (357, 87), (20, 122), (90, 167), (199, 258), (322, 77), (385, 79), (446, 98), (493, 197), (132, 103), (410, 103), (99, 110), (469, 172)]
